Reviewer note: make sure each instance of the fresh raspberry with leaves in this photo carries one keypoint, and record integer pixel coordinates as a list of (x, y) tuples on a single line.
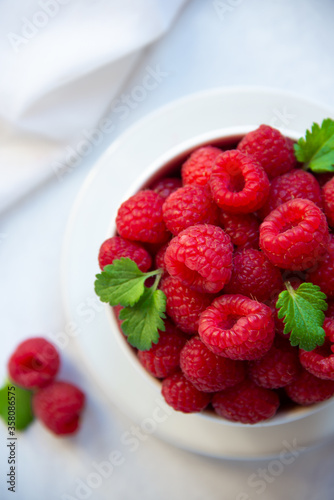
[(328, 199), (34, 363), (237, 327), (295, 235), (184, 305), (246, 403), (242, 229), (308, 389), (208, 371), (254, 275), (182, 395), (197, 168), (58, 406), (294, 184), (163, 358), (140, 218), (279, 367), (323, 272), (238, 183), (187, 206), (166, 186), (201, 257), (320, 361), (271, 149), (117, 247)]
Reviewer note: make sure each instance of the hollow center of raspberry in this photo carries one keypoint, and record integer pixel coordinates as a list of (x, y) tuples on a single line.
[(31, 363), (228, 322), (237, 182)]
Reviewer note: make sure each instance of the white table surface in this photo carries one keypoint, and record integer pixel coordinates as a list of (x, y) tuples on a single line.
[(282, 44)]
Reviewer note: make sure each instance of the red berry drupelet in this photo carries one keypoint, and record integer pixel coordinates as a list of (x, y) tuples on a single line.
[(271, 149), (237, 327), (117, 247), (328, 199), (238, 183), (201, 257), (308, 389), (58, 406), (140, 218), (246, 403), (34, 363), (242, 229), (320, 361), (182, 395), (295, 235), (188, 206), (197, 168), (184, 305), (208, 371), (323, 272), (254, 275), (163, 358), (166, 186)]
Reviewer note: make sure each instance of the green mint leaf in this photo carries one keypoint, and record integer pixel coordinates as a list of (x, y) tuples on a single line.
[(317, 149), (302, 313), (15, 402), (121, 282), (143, 320)]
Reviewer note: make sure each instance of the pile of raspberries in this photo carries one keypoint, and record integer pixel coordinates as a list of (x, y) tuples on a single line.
[(228, 228)]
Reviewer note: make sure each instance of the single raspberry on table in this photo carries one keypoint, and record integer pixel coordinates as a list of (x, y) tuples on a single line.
[(34, 363), (242, 229), (279, 367), (182, 395), (308, 389), (237, 327), (197, 168), (184, 305), (320, 361), (208, 371), (323, 272), (58, 406), (271, 149), (238, 183), (166, 186), (188, 206), (163, 358), (295, 235), (246, 403), (294, 184), (117, 247), (254, 275), (201, 257), (140, 218), (328, 199)]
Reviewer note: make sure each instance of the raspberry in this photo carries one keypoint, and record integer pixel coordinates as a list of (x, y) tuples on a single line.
[(237, 327), (294, 184), (254, 275), (238, 183), (58, 406), (279, 367), (294, 235), (182, 395), (242, 229), (34, 363), (323, 273), (308, 389), (117, 247), (201, 257), (184, 305), (163, 358), (188, 206), (328, 199), (166, 186), (197, 168), (207, 371), (140, 218), (320, 361), (246, 403), (271, 149)]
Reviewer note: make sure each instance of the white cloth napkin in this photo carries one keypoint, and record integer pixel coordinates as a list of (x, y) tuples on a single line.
[(62, 64)]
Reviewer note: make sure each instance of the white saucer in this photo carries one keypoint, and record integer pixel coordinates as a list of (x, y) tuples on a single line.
[(108, 358)]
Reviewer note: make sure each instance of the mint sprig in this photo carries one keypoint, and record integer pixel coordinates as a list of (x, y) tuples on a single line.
[(302, 313), (316, 151), (123, 283), (15, 402)]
